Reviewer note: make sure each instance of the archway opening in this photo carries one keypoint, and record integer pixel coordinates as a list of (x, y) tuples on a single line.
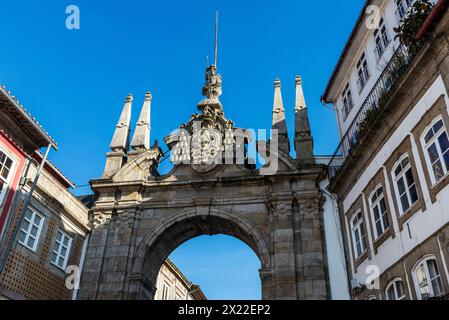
[(184, 232), (213, 267)]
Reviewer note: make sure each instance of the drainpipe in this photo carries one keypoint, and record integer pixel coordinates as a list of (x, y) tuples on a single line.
[(81, 265), (24, 209)]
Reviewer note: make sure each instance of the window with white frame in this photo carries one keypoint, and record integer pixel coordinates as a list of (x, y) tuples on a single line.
[(178, 296), (61, 250), (436, 145), (379, 212), (402, 8), (358, 235), (348, 103), (6, 168), (381, 39), (405, 185), (165, 291), (30, 229), (362, 72), (427, 279), (395, 290)]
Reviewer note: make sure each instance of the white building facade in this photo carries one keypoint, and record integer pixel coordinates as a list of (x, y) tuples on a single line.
[(172, 284), (393, 195)]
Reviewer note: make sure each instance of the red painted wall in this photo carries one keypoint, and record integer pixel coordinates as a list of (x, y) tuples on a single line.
[(20, 157)]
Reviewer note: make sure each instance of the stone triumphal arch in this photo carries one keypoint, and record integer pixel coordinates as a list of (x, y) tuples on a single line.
[(140, 217)]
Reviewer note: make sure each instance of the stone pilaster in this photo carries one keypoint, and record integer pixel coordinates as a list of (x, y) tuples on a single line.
[(284, 273), (109, 257), (90, 279), (314, 273), (140, 288), (268, 288)]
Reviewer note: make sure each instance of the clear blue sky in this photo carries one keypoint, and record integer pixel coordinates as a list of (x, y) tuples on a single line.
[(75, 82)]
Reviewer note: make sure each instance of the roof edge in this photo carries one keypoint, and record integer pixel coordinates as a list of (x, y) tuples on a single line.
[(55, 170), (26, 115), (325, 96)]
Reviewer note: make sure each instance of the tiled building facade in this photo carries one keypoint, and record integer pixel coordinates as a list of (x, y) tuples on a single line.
[(37, 243), (53, 233)]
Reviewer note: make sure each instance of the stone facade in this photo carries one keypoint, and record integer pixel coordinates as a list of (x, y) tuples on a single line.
[(140, 217)]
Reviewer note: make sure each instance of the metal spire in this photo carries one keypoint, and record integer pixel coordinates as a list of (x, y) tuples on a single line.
[(216, 40)]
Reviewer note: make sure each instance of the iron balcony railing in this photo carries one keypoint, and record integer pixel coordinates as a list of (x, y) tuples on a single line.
[(375, 100)]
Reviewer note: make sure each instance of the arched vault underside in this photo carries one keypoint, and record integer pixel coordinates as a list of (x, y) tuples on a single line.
[(156, 248)]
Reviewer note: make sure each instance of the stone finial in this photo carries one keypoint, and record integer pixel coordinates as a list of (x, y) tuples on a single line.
[(278, 104), (300, 102), (212, 90), (141, 137), (279, 122), (302, 125), (120, 140), (303, 136)]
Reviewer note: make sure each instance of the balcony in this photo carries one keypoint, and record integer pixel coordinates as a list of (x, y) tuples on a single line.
[(376, 100)]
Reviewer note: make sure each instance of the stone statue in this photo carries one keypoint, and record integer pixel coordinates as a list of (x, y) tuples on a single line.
[(212, 89)]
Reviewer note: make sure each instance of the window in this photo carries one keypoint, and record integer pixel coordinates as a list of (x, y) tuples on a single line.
[(379, 212), (363, 73), (30, 229), (405, 184), (427, 279), (165, 291), (403, 6), (178, 296), (353, 138), (6, 166), (61, 250), (359, 235), (395, 290), (436, 144), (347, 101), (381, 39)]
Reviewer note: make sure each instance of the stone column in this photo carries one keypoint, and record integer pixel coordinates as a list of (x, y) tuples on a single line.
[(284, 273), (314, 271)]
